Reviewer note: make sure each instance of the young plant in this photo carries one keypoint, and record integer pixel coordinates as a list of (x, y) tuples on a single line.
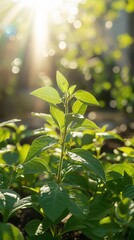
[(64, 176), (66, 192)]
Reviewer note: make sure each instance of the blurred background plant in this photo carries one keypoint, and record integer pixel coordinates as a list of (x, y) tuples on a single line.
[(91, 43)]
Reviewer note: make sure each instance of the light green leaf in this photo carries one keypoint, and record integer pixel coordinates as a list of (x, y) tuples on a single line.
[(79, 107), (47, 117), (86, 159), (122, 167), (84, 124), (9, 122), (10, 232), (128, 150), (86, 97), (4, 134), (109, 135), (58, 116), (48, 94), (54, 200), (62, 82), (71, 89), (40, 144), (79, 122)]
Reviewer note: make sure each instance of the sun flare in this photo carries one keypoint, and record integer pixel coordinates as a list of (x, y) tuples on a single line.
[(29, 24), (41, 11)]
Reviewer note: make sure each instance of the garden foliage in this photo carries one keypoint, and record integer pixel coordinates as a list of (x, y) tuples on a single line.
[(64, 175)]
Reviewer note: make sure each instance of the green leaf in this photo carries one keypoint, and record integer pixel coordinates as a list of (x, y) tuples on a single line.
[(40, 144), (22, 204), (36, 165), (71, 89), (99, 208), (79, 122), (124, 211), (10, 232), (128, 192), (47, 117), (109, 135), (7, 200), (79, 107), (89, 161), (4, 134), (48, 94), (85, 97), (34, 227), (62, 82), (46, 223), (75, 179), (11, 158), (128, 150), (83, 123), (73, 224), (58, 116), (9, 122), (122, 167), (78, 204), (106, 227), (54, 200)]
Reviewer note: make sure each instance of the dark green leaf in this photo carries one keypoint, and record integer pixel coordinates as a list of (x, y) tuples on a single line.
[(46, 223), (11, 158), (54, 200), (7, 200), (89, 161), (39, 144), (106, 227), (73, 224), (99, 208), (22, 203), (49, 94), (128, 192), (37, 165), (78, 204), (34, 227), (124, 211)]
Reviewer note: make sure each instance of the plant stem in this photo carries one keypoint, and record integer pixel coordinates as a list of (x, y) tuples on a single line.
[(59, 175), (61, 158)]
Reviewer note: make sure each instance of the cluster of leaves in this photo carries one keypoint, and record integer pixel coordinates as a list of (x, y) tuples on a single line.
[(64, 175)]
